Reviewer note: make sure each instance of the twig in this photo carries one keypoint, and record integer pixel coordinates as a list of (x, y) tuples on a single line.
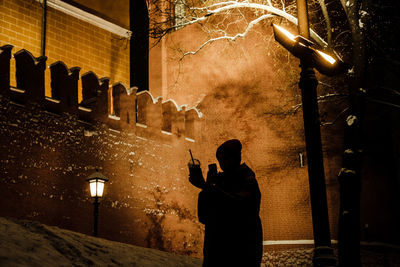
[(230, 38), (321, 99), (337, 117)]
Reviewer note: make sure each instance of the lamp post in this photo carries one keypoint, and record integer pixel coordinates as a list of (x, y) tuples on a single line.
[(96, 182), (301, 47)]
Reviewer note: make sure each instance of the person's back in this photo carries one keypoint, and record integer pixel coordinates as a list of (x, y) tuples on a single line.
[(229, 207)]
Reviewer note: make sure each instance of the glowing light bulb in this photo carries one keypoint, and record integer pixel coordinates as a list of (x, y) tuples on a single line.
[(327, 57), (286, 32)]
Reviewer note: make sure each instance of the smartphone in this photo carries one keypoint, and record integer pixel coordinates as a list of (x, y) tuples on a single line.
[(212, 173), (212, 168)]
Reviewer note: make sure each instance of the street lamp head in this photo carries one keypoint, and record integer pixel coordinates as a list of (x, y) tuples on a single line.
[(281, 33), (284, 37), (329, 64), (327, 57), (296, 45), (302, 48), (96, 181)]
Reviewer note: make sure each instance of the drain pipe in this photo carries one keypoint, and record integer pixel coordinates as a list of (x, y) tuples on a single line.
[(44, 23), (139, 44)]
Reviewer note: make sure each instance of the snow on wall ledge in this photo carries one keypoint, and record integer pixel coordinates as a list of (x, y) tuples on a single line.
[(129, 107)]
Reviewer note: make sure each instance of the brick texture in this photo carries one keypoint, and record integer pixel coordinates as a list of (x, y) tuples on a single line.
[(75, 42), (45, 159), (249, 96), (271, 142)]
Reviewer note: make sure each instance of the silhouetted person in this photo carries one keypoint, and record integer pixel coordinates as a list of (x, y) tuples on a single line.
[(229, 206)]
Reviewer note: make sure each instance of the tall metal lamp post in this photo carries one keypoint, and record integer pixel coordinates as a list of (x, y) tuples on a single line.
[(301, 47), (96, 181)]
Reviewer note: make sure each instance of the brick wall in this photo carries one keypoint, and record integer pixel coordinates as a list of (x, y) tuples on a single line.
[(21, 24), (45, 159), (246, 95), (271, 142), (75, 42), (50, 145), (234, 104), (248, 89)]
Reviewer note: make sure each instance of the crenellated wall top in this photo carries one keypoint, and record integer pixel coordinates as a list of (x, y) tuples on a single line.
[(120, 107)]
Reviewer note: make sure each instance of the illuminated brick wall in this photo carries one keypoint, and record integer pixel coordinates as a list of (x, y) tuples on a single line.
[(50, 145), (271, 143), (73, 41), (21, 23), (232, 101), (247, 89), (45, 159)]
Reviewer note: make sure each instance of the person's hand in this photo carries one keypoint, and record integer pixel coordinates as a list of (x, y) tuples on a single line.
[(212, 178), (196, 176)]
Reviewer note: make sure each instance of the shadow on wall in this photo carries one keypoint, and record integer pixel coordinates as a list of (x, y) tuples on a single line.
[(263, 119)]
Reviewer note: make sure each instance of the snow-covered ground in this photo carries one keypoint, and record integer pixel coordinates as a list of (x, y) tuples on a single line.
[(28, 243)]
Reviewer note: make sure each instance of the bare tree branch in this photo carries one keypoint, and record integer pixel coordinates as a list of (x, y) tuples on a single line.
[(343, 2), (321, 99), (335, 120), (201, 14), (230, 38), (327, 21), (283, 5), (383, 102), (393, 91)]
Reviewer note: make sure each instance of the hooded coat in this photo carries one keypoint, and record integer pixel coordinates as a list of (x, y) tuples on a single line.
[(229, 208)]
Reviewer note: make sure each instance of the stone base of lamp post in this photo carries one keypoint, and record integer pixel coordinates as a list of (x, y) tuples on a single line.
[(323, 256)]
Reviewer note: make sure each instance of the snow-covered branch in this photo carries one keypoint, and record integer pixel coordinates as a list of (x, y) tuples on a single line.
[(335, 120), (230, 38), (283, 5), (226, 6), (209, 7), (327, 21), (344, 5)]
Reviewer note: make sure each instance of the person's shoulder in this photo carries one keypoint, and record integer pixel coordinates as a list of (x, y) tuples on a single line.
[(247, 172)]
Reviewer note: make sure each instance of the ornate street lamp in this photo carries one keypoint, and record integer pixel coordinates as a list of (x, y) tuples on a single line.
[(96, 182), (301, 47)]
